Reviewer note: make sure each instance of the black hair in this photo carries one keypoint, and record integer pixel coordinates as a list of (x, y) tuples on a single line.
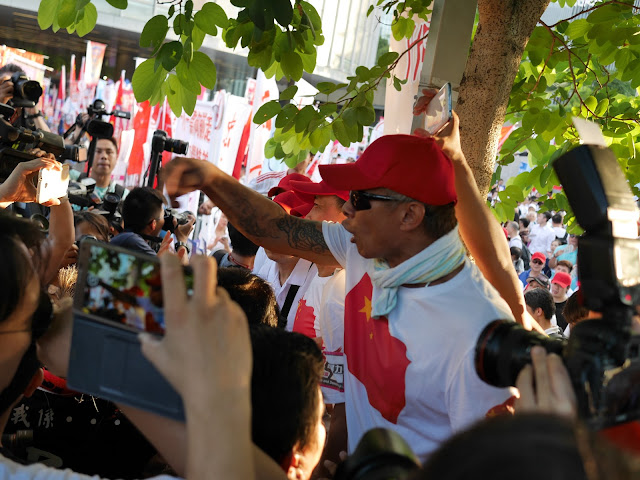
[(541, 298), (438, 219), (573, 310), (557, 218), (10, 68), (112, 140), (525, 221), (254, 295), (516, 252), (241, 244), (140, 207), (18, 264), (96, 220), (524, 446), (547, 215), (287, 369)]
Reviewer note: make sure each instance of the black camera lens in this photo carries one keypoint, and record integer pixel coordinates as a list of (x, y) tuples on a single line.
[(25, 88), (176, 146), (504, 348)]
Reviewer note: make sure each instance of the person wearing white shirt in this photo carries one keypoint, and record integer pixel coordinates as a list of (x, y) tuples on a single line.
[(541, 234), (513, 231)]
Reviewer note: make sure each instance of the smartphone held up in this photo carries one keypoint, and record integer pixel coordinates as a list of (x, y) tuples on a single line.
[(439, 110)]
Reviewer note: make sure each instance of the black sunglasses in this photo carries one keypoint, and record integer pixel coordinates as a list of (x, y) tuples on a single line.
[(361, 200)]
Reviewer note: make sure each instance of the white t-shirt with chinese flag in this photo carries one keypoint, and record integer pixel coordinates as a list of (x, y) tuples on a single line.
[(413, 372)]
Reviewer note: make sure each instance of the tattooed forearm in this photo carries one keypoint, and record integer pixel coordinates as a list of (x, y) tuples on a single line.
[(249, 222), (303, 234)]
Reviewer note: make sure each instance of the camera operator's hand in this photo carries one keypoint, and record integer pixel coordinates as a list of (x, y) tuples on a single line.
[(166, 243), (182, 231), (6, 89), (545, 386), (20, 187)]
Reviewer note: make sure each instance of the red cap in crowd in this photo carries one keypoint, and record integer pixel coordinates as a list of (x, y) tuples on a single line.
[(539, 256), (307, 191), (292, 204), (561, 278), (407, 164), (285, 183)]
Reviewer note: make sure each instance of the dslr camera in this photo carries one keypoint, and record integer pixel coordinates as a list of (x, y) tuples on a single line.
[(26, 93), (182, 218), (602, 356)]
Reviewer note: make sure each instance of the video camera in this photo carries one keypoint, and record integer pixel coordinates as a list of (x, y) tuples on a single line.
[(16, 142), (162, 143), (602, 356), (95, 126)]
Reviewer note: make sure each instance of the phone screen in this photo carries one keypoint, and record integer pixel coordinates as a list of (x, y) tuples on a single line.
[(124, 288), (52, 183), (438, 112)]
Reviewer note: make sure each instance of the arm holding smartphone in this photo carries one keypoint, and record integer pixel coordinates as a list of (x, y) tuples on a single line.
[(479, 230), (61, 236)]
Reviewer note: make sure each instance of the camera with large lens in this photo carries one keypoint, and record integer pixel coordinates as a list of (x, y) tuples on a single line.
[(162, 143), (26, 93), (602, 356), (181, 218)]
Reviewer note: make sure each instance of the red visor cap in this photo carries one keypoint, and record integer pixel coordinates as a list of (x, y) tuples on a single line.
[(291, 203), (301, 211), (407, 164), (307, 191), (285, 184)]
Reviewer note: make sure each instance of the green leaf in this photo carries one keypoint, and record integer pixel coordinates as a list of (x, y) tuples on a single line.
[(267, 111), (187, 77), (304, 118), (88, 21), (313, 16), (270, 148), (340, 131), (121, 4), (80, 4), (154, 31), (591, 103), (209, 16), (47, 13), (282, 11), (204, 69), (309, 61), (146, 80), (387, 59), (291, 64), (187, 52), (577, 28), (172, 11), (288, 93), (328, 108), (66, 13), (370, 10), (180, 98), (170, 54), (366, 116), (197, 37), (287, 114), (396, 83)]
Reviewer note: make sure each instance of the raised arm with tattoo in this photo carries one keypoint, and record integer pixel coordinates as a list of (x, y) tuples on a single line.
[(258, 218)]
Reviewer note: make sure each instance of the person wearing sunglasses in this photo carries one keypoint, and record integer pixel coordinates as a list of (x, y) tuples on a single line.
[(414, 303), (536, 265)]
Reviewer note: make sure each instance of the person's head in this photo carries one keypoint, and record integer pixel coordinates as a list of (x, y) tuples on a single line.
[(560, 284), (286, 401), (402, 196), (540, 305), (241, 244), (537, 281), (543, 218), (327, 202), (512, 229), (143, 211), (537, 262), (516, 253), (573, 240), (6, 72), (557, 219), (554, 244), (105, 157), (206, 207), (90, 223), (524, 222), (524, 235), (23, 307), (252, 293), (573, 311), (531, 215), (564, 266)]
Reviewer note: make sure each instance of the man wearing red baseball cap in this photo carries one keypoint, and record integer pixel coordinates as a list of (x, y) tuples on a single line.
[(414, 305), (537, 263), (560, 284)]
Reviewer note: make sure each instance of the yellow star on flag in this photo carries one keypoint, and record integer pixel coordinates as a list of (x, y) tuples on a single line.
[(367, 308)]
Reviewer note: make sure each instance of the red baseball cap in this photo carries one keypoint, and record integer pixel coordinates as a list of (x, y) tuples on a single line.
[(407, 164), (284, 185), (561, 278), (539, 256), (292, 204), (307, 191)]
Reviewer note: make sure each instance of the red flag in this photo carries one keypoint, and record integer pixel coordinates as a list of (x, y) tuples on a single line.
[(243, 150), (164, 123), (119, 123), (62, 91), (136, 159), (305, 318), (374, 357)]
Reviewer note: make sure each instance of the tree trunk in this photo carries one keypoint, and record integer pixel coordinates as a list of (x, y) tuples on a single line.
[(503, 31)]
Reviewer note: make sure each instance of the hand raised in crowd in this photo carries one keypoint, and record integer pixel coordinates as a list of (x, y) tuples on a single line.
[(182, 231), (545, 386), (183, 175), (203, 333), (20, 185), (166, 243)]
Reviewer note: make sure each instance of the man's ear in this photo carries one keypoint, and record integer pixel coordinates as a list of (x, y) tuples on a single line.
[(538, 312), (35, 382), (413, 214)]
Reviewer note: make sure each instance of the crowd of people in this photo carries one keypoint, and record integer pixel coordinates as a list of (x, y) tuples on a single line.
[(333, 308)]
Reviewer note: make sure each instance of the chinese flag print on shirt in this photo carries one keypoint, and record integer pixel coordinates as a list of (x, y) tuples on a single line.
[(378, 360)]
